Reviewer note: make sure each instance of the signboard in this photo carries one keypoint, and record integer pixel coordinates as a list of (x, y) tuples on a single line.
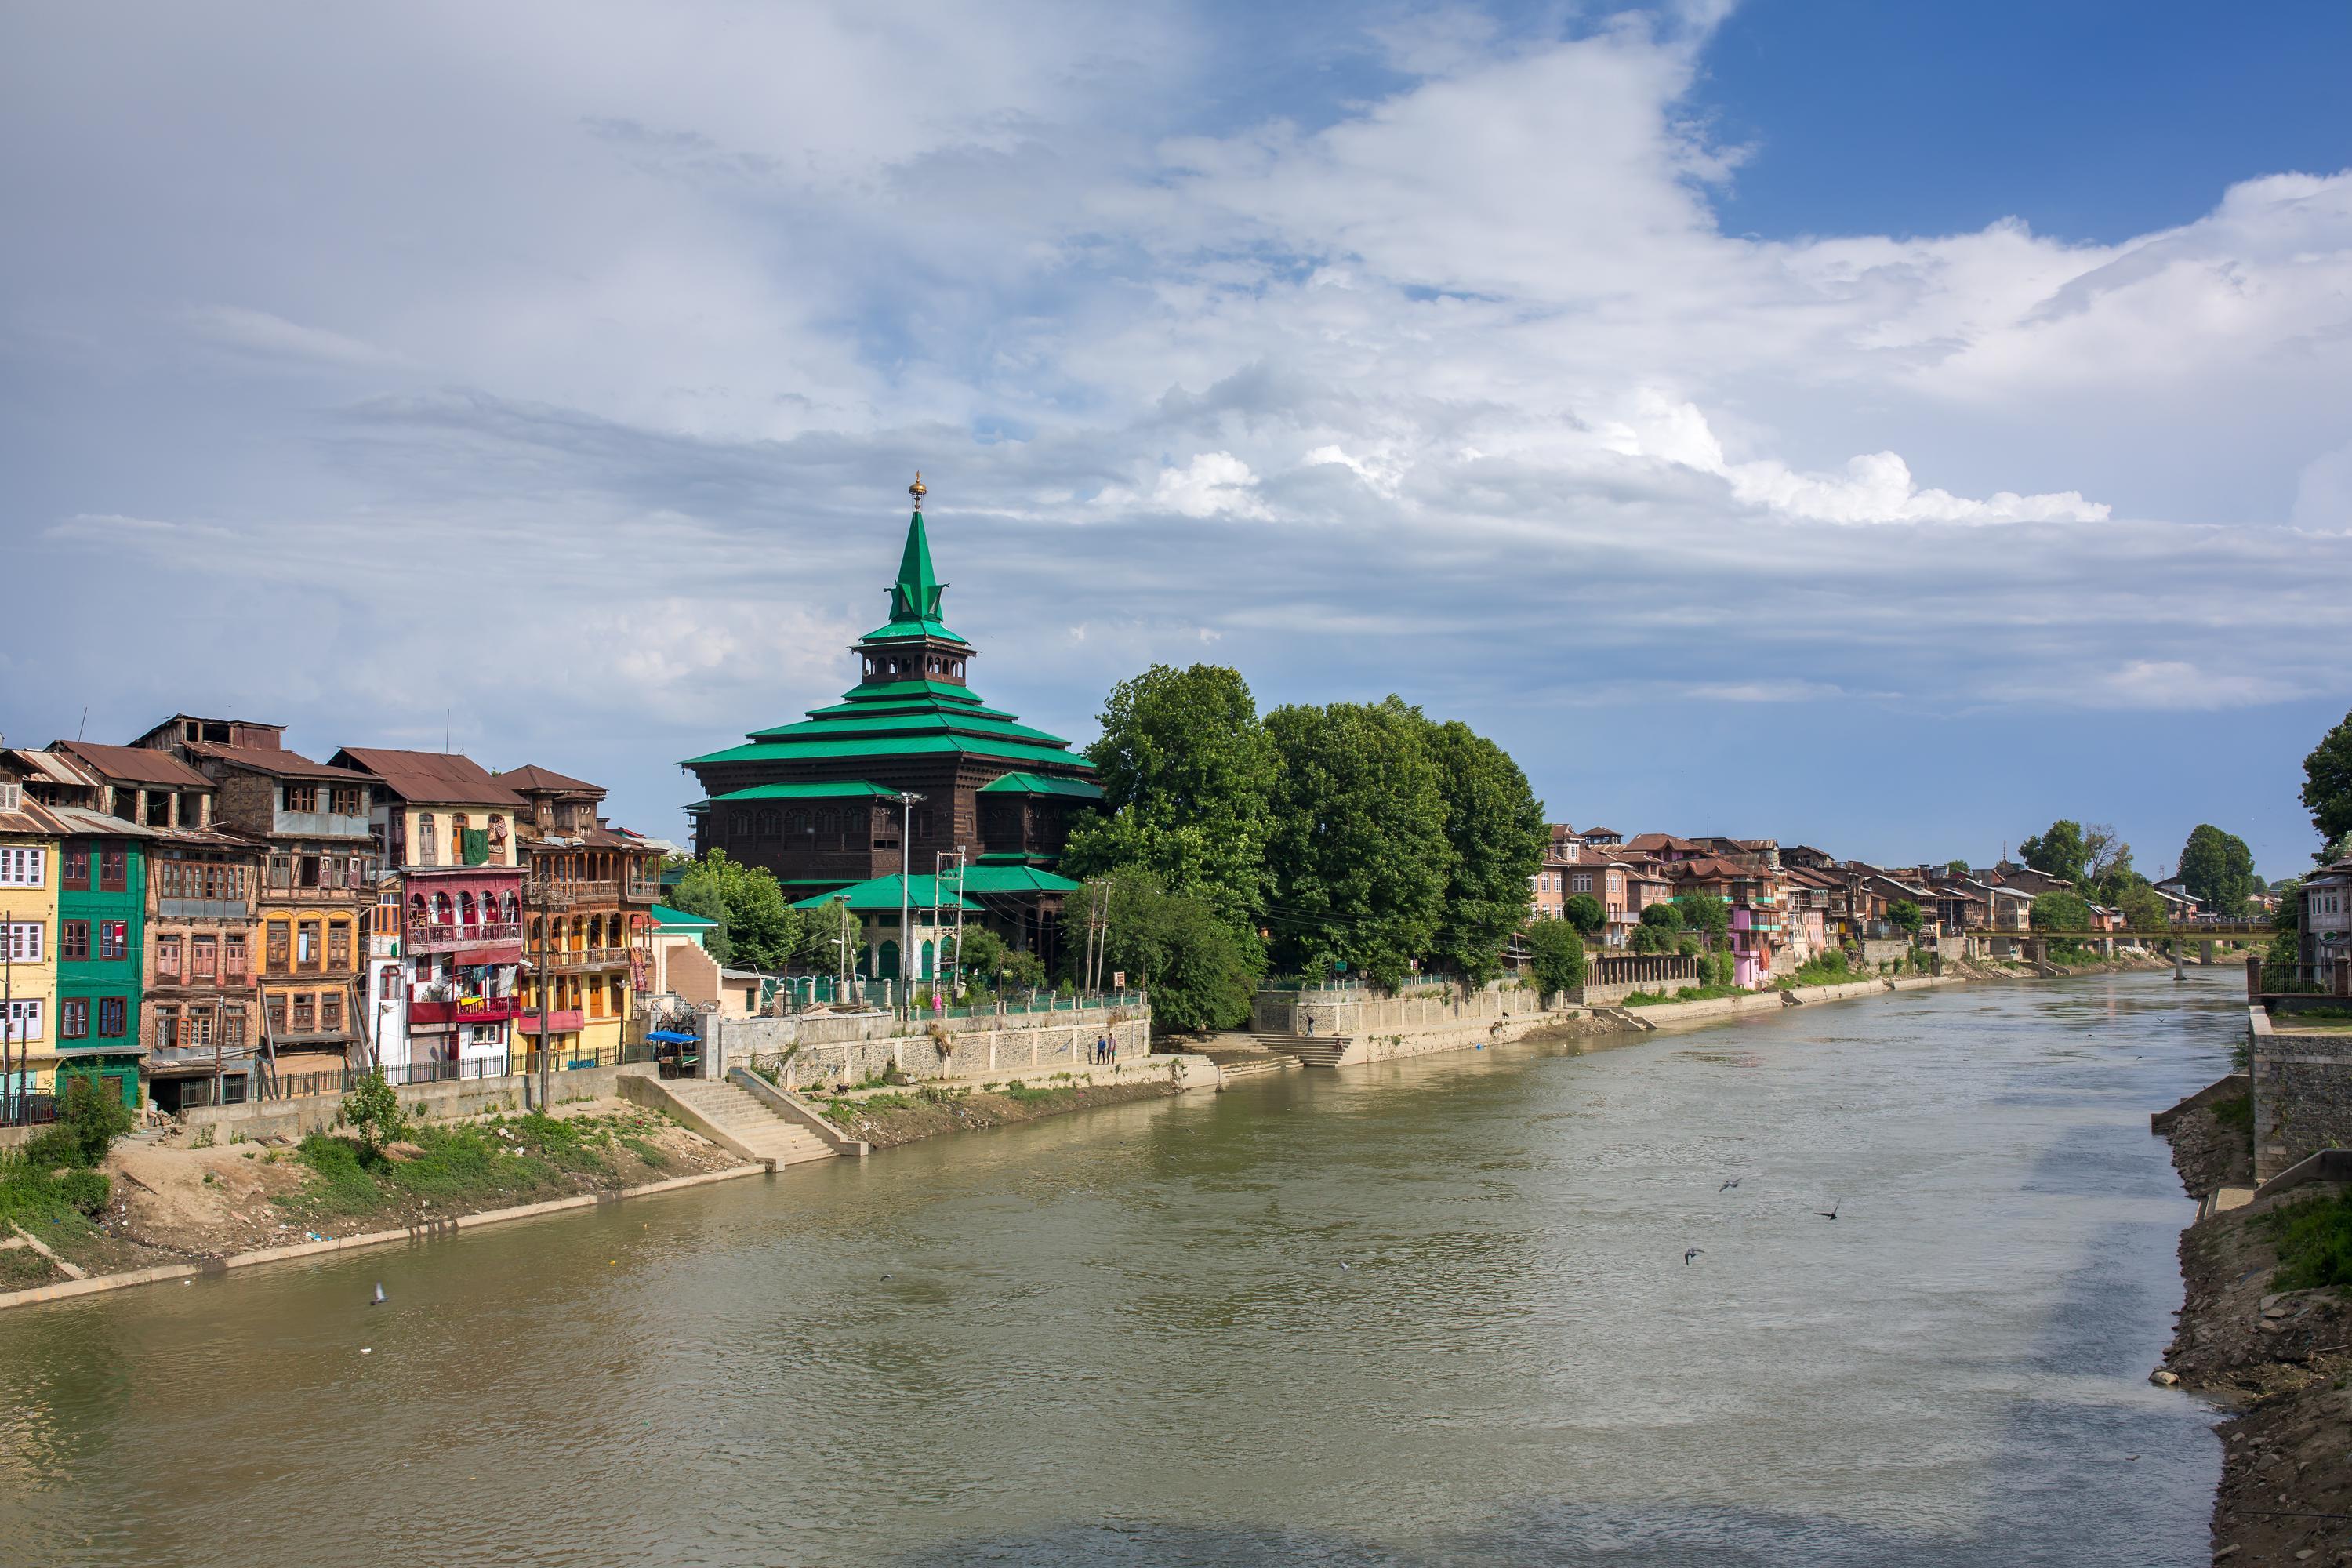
[(1118, 979)]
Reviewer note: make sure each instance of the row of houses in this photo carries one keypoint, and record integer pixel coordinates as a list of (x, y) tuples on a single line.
[(1789, 905), (203, 909)]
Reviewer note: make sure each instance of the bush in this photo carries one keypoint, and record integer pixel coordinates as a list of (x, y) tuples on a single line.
[(92, 1119), (372, 1110), (87, 1191), (2314, 1238), (1556, 956), (1584, 912)]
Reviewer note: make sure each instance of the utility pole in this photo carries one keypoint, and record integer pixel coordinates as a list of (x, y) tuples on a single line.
[(538, 898), (906, 799), (10, 1111)]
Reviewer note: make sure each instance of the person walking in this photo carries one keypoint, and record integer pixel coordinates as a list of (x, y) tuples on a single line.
[(1310, 1025)]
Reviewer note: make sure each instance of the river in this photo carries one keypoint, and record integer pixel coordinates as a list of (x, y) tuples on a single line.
[(1428, 1312)]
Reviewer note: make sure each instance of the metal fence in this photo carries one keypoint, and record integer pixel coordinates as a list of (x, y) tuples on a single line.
[(297, 1085)]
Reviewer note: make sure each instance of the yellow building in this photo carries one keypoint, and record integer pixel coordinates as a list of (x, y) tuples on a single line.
[(29, 840)]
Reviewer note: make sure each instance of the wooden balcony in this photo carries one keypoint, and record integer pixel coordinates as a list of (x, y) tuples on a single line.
[(550, 895), (434, 937), (564, 960)]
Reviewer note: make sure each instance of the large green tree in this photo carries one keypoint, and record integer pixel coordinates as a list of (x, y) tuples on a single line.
[(1188, 774), (1357, 848), (1200, 976), (2327, 783), (2218, 869), (1495, 828), (756, 926), (2060, 852), (1705, 913), (2143, 908), (2060, 911), (1585, 912)]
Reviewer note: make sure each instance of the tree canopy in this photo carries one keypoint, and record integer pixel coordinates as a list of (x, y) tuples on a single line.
[(1188, 774), (756, 926), (1904, 915), (2060, 852), (1705, 913), (1496, 839), (2218, 869), (2143, 908), (1584, 912), (2060, 911), (2327, 783), (1357, 848), (1556, 956), (1176, 945)]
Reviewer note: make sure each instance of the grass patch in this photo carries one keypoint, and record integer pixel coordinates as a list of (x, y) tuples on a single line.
[(2318, 1014), (1023, 1094), (2314, 1238), (1696, 993), (1827, 969), (468, 1166)]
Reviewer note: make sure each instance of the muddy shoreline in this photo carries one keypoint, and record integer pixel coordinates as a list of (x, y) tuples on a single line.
[(2280, 1362)]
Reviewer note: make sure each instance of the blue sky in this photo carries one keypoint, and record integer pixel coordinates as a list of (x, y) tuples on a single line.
[(1886, 427)]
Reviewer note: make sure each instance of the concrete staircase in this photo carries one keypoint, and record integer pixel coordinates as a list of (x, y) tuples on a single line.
[(733, 1117), (1232, 1065), (1311, 1050)]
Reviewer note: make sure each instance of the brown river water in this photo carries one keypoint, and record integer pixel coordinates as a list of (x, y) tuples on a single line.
[(1429, 1312)]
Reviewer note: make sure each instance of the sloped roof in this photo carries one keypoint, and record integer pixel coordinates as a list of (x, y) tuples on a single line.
[(135, 764), (883, 894), (1001, 878), (1039, 784), (284, 763), (808, 789), (668, 918), (83, 822), (430, 778), (536, 778)]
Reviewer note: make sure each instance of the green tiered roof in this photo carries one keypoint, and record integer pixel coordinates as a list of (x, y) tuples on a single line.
[(908, 718)]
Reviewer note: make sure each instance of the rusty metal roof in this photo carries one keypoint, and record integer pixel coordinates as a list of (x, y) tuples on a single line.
[(536, 778), (429, 778), (284, 764), (134, 765)]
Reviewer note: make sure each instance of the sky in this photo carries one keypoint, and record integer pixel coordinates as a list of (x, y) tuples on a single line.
[(1886, 428)]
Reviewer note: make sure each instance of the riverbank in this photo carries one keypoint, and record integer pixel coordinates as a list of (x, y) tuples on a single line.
[(2281, 1359), (892, 1118), (188, 1204)]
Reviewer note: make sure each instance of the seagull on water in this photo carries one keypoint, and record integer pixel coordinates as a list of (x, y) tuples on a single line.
[(1729, 1185), (1831, 1212), (380, 1297), (1691, 1253)]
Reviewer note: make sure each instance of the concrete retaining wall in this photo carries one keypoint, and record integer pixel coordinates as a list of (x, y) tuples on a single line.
[(2302, 1088), (1064, 1044), (1610, 995), (1365, 1012), (462, 1097)]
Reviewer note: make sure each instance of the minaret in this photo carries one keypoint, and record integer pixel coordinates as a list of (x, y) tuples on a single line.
[(916, 645)]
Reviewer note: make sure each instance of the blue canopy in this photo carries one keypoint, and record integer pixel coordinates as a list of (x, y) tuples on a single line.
[(670, 1036)]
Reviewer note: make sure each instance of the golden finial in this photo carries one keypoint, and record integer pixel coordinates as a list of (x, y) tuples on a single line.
[(918, 491)]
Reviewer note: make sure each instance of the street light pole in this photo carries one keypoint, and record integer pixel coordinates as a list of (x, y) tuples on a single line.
[(906, 799)]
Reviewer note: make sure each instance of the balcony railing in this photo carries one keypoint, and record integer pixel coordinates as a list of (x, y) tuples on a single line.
[(566, 958), (433, 935), (641, 891), (556, 895), (439, 1003)]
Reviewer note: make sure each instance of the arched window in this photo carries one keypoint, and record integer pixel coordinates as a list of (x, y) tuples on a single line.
[(416, 908), (465, 907), (595, 931), (579, 933), (538, 934), (767, 825), (799, 822), (827, 822), (514, 909), (442, 908)]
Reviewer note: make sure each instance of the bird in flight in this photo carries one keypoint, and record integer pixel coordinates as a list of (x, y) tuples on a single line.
[(1831, 1212), (380, 1297), (1729, 1185), (1692, 1253)]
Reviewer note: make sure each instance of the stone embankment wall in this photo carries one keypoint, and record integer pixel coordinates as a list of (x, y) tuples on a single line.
[(2302, 1085), (1349, 1011), (858, 1047)]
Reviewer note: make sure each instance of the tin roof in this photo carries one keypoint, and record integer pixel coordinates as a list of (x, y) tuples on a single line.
[(537, 778), (429, 778), (280, 763), (134, 765)]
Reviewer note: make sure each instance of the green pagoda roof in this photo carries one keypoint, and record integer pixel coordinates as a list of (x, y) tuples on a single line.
[(915, 596), (1015, 879), (816, 789), (902, 716), (1038, 783), (816, 748), (882, 895)]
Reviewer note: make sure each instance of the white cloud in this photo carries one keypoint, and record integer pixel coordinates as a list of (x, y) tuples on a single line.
[(1212, 484)]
